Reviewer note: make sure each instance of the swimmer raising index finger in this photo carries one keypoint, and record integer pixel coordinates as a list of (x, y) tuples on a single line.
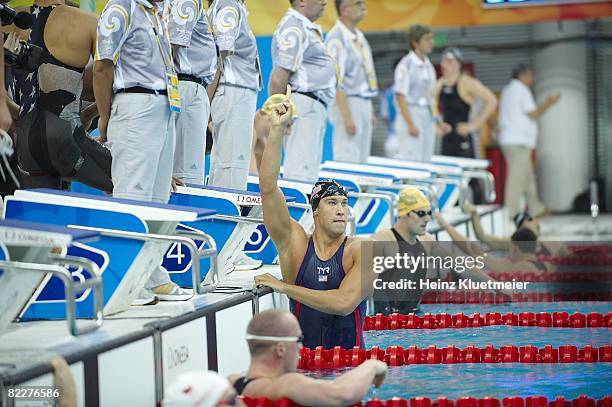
[(287, 102)]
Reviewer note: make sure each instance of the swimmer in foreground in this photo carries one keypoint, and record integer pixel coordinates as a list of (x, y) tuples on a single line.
[(406, 237), (274, 338), (321, 273)]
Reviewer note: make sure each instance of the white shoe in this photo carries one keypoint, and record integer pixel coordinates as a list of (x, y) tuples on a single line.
[(245, 263), (172, 292), (145, 297)]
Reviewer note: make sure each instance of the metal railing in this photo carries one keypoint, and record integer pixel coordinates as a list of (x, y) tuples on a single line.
[(488, 180), (70, 286), (180, 238), (382, 196)]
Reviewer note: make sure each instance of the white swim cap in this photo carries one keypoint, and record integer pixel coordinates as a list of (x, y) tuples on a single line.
[(195, 389)]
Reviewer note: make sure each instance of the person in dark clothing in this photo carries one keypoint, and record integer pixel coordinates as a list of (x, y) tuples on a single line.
[(456, 92), (414, 213), (52, 144)]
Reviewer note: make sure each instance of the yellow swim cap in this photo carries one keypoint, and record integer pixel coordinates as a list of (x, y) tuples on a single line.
[(409, 199), (276, 100)]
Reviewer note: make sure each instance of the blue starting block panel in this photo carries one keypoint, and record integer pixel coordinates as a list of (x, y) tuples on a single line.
[(125, 263), (260, 245), (237, 218)]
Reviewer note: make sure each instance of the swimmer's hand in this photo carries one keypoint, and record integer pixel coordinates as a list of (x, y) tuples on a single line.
[(281, 115), (269, 280), (380, 369), (176, 182)]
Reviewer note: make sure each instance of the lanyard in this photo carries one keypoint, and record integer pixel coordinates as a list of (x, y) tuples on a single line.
[(170, 64)]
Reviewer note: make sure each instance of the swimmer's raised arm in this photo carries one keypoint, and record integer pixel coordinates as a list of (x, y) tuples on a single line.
[(495, 242), (275, 212), (462, 241)]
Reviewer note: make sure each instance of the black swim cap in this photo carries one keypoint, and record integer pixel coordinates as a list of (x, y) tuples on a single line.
[(323, 189)]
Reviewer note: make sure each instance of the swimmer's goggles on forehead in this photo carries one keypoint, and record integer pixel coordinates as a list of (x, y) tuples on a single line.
[(422, 214), (297, 339)]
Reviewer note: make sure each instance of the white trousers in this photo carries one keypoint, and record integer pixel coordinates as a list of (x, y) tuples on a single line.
[(141, 136), (191, 126), (355, 148), (304, 146), (233, 112), (420, 148)]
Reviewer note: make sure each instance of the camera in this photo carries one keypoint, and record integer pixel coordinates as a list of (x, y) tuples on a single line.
[(23, 56)]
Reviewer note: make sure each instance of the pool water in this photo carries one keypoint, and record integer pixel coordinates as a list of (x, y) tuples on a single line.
[(494, 380), (452, 381), (494, 335)]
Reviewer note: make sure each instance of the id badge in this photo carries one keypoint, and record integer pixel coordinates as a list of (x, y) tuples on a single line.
[(372, 82), (174, 97)]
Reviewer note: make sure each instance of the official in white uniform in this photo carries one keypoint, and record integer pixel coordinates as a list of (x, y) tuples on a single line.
[(351, 114), (235, 100), (196, 62), (414, 82), (518, 135), (136, 89), (301, 59)]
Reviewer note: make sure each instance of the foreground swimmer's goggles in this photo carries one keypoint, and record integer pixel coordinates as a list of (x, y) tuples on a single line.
[(422, 214), (298, 339)]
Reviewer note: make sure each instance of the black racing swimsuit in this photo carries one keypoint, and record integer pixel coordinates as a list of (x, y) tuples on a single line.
[(455, 110), (242, 382), (401, 301)]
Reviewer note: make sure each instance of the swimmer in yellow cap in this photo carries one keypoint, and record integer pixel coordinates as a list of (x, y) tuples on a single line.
[(261, 129)]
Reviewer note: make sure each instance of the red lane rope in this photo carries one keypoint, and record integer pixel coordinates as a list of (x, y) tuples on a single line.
[(337, 357), (580, 258), (553, 276), (479, 297), (441, 321), (531, 401), (591, 248)]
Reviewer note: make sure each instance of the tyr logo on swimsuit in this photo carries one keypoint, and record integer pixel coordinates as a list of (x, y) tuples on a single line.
[(323, 273)]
